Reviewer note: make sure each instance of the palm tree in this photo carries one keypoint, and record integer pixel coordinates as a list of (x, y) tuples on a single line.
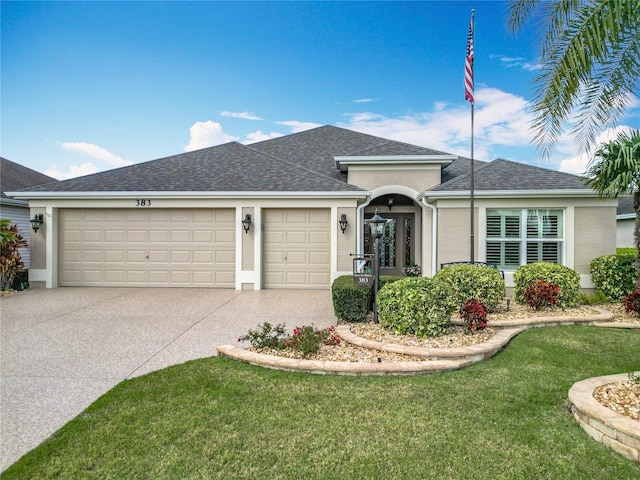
[(590, 57), (615, 170)]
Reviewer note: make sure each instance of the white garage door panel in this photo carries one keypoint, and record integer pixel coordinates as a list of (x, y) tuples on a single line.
[(138, 247), (296, 248)]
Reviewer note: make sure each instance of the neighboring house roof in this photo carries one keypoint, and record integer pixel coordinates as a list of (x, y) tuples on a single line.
[(506, 175), (16, 177), (231, 167), (625, 208)]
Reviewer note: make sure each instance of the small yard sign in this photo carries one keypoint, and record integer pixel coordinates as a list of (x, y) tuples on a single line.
[(363, 271)]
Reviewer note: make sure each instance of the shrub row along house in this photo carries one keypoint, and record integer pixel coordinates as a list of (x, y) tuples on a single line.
[(271, 215)]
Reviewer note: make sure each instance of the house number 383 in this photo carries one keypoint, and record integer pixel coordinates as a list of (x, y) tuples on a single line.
[(144, 202)]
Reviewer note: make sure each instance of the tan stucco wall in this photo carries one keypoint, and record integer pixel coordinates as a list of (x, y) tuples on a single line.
[(38, 241), (454, 235), (248, 240), (417, 179), (595, 235), (347, 240), (624, 236)]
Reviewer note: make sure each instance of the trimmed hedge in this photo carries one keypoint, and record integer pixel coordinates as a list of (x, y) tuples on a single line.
[(469, 281), (614, 275), (567, 279), (416, 305), (351, 302)]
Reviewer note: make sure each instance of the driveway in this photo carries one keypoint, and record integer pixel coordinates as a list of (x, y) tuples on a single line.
[(63, 348)]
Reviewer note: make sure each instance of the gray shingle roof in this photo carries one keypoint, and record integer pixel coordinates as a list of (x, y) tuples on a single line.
[(16, 177), (231, 167), (315, 149), (625, 206), (506, 175)]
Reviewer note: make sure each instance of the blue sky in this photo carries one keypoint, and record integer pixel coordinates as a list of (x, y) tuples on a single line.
[(89, 86)]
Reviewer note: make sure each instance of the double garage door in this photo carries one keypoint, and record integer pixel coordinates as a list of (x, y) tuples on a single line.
[(145, 247), (189, 247)]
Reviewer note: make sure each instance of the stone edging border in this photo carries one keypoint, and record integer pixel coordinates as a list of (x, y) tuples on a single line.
[(601, 423), (532, 322), (473, 353), (340, 368), (436, 360)]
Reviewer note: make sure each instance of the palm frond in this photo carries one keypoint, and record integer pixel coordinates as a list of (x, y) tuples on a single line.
[(585, 44), (615, 166)]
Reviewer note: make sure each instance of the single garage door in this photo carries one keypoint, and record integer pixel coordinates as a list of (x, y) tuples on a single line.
[(297, 247), (145, 247)]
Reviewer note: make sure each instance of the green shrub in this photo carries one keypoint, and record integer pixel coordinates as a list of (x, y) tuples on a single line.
[(416, 305), (351, 303), (266, 336), (595, 299), (627, 251), (567, 279), (614, 275), (386, 279), (474, 281), (307, 339)]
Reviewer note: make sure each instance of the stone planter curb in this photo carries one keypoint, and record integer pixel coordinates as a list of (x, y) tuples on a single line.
[(559, 320), (340, 368), (601, 423), (473, 353)]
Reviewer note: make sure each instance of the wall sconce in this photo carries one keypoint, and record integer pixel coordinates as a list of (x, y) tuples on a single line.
[(246, 223), (343, 222), (36, 221), (390, 202)]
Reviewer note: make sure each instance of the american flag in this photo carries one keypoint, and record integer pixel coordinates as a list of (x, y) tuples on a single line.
[(468, 66)]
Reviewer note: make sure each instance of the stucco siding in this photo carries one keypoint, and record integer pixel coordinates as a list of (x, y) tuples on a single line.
[(417, 179), (624, 233), (454, 237), (595, 235)]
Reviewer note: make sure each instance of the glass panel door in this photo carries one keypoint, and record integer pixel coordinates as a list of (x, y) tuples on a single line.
[(396, 244)]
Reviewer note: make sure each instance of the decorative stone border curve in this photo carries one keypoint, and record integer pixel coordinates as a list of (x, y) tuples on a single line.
[(601, 423), (436, 359), (340, 368), (473, 353), (552, 321)]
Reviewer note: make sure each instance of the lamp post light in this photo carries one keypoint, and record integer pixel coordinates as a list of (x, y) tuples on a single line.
[(376, 224)]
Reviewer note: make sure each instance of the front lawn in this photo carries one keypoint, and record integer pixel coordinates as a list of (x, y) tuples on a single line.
[(505, 417)]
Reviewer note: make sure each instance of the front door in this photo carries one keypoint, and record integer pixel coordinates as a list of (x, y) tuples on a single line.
[(396, 245)]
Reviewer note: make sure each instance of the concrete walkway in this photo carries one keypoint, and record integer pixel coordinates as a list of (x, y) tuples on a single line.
[(63, 348)]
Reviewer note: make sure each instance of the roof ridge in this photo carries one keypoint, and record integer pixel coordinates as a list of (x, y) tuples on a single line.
[(299, 167), (480, 167)]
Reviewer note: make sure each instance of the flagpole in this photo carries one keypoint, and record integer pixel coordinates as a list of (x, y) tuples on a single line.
[(471, 177)]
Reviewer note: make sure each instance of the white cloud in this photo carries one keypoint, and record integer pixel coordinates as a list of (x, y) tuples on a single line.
[(578, 163), (258, 136), (96, 152), (500, 119), (243, 115), (297, 126), (74, 171), (365, 100), (207, 134), (520, 62)]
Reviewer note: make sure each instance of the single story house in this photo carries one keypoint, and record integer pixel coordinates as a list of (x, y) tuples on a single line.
[(16, 177), (289, 213), (626, 222)]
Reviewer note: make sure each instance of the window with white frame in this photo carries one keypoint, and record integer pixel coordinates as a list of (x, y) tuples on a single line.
[(519, 236)]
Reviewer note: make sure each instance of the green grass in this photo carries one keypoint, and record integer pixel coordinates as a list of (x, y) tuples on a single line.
[(506, 417)]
